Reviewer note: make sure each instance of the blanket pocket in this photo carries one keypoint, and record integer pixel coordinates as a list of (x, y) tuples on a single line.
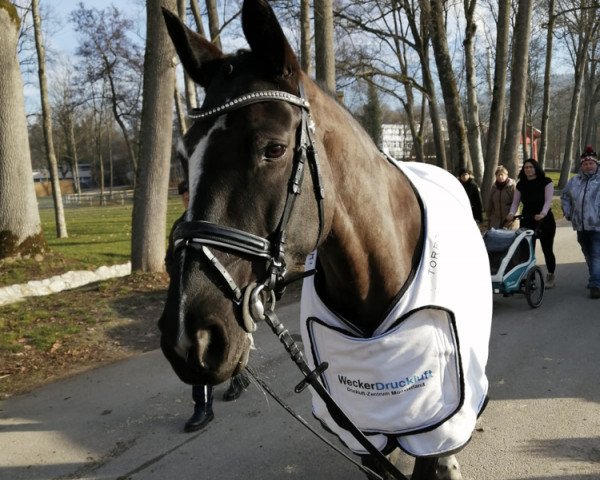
[(407, 380)]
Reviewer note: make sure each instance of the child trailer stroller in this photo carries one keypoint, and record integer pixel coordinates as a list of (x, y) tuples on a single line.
[(512, 264)]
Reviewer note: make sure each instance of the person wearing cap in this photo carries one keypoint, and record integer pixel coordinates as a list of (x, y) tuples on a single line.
[(580, 201), (466, 180), (501, 197), (202, 395), (535, 190)]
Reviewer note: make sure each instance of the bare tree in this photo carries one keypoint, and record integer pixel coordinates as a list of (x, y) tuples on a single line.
[(518, 86), (305, 36), (197, 17), (372, 116), (421, 37), (213, 22), (591, 96), (59, 213), (65, 105), (582, 24), (20, 226), (547, 81), (379, 31), (324, 48), (434, 13), (179, 111), (496, 121), (473, 124), (151, 190), (111, 56), (191, 97)]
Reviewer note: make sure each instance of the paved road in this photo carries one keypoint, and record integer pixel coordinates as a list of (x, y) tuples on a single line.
[(125, 421)]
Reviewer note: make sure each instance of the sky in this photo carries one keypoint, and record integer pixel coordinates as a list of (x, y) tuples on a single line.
[(61, 39), (65, 39)]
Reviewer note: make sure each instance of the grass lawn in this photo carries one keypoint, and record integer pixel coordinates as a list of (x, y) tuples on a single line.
[(44, 338), (97, 236)]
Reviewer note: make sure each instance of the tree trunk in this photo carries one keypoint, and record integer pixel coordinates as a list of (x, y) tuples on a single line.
[(119, 120), (409, 102), (197, 17), (421, 38), (547, 82), (496, 121), (586, 31), (567, 162), (110, 159), (213, 22), (99, 154), (324, 48), (59, 213), (152, 187), (591, 97), (459, 152), (305, 36), (488, 70), (20, 226), (181, 121), (518, 86), (525, 152), (191, 97), (69, 131), (473, 129)]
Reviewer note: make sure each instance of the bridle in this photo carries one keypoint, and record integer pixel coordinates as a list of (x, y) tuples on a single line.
[(200, 234)]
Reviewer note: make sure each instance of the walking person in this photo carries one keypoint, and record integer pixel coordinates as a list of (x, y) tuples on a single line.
[(467, 181), (580, 201), (202, 395), (500, 201), (535, 191)]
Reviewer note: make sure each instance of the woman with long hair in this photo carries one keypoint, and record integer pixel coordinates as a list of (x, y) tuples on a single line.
[(535, 191)]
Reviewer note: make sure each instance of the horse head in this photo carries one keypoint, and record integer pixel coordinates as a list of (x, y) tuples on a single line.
[(246, 224)]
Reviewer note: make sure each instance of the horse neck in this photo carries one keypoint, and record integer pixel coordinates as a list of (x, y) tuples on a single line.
[(376, 222)]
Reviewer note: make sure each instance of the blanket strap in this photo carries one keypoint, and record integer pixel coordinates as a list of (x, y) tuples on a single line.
[(312, 378)]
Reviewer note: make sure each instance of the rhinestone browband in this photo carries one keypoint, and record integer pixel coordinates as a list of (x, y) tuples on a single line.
[(247, 99)]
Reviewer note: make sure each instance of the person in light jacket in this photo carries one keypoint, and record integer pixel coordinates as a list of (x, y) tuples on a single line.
[(501, 197), (580, 201)]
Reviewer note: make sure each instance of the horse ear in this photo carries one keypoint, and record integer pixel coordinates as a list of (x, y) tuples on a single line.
[(193, 49), (267, 40)]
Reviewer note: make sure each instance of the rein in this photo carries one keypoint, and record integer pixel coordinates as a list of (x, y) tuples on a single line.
[(258, 299)]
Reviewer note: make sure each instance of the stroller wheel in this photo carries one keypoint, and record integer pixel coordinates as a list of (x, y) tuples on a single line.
[(534, 287)]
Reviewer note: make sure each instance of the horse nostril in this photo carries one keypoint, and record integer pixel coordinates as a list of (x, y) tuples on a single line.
[(211, 347)]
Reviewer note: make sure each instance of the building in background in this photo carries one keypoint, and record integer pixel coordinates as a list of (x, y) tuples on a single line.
[(396, 141)]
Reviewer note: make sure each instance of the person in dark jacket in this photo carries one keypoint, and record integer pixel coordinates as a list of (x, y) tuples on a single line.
[(466, 180), (535, 191), (202, 395)]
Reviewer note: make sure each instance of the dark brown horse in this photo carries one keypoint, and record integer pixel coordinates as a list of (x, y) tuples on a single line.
[(268, 187)]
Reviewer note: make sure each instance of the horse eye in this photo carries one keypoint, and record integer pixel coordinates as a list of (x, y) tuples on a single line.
[(275, 151)]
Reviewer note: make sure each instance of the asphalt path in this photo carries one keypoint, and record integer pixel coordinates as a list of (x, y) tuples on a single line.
[(124, 421)]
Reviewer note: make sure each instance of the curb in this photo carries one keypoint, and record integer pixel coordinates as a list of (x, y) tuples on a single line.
[(58, 283)]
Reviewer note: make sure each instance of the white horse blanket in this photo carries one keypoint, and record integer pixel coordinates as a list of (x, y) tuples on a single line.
[(420, 379)]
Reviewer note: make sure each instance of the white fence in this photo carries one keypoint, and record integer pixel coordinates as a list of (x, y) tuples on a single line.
[(95, 198)]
